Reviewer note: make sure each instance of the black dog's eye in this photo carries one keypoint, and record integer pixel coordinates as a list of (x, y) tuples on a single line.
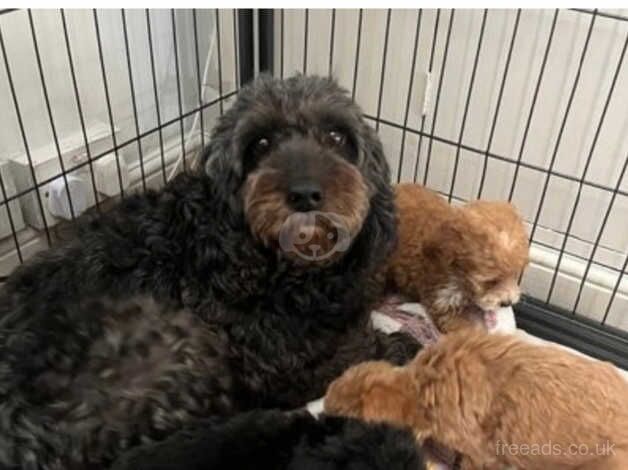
[(256, 150), (337, 137), (261, 145)]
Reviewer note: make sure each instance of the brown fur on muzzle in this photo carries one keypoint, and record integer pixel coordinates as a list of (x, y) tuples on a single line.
[(314, 236)]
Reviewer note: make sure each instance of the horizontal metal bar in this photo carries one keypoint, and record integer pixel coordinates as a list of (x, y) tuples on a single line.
[(495, 156), (552, 323), (118, 147), (601, 13)]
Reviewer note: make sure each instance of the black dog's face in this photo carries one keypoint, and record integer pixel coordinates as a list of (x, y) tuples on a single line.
[(304, 163), (304, 192)]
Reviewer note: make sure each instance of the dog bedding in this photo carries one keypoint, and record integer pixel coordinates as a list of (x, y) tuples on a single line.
[(397, 314)]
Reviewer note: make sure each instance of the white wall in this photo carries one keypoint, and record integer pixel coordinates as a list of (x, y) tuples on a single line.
[(48, 28), (610, 152), (49, 32)]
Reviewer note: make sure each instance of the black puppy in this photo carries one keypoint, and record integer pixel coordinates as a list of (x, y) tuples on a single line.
[(272, 440), (261, 268)]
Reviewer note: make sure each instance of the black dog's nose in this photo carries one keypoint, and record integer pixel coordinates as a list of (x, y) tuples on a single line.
[(305, 196), (506, 303)]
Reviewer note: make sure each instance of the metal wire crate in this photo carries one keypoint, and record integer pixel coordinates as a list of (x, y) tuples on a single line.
[(523, 105)]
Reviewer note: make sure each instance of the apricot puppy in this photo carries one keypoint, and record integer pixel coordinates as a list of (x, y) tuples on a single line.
[(462, 263), (498, 401)]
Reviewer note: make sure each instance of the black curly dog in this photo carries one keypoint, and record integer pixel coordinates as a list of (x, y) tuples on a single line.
[(271, 440), (244, 285)]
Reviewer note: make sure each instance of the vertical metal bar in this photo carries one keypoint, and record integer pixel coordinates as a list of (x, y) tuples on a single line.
[(600, 232), (199, 79), (305, 34), (562, 125), (219, 48), (266, 33), (585, 172), (178, 75), (10, 217), (133, 101), (256, 43), (537, 87), (406, 115), (499, 103), (156, 94), (438, 90), (283, 50), (20, 122), (620, 276), (331, 41), (431, 64), (478, 50), (357, 55), (108, 100), (381, 77), (235, 50), (49, 111), (79, 108), (245, 43)]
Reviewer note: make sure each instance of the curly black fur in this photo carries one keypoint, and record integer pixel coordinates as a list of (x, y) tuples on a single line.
[(272, 440), (277, 333)]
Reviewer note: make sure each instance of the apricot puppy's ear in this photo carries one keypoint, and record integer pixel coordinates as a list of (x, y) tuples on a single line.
[(345, 394), (441, 249), (391, 400)]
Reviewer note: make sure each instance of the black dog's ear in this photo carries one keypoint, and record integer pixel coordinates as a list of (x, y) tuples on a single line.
[(205, 158), (211, 161), (373, 154), (218, 160), (380, 228)]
